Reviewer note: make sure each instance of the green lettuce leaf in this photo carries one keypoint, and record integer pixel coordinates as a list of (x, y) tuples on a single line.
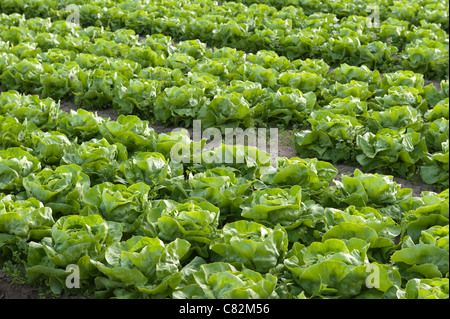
[(424, 260)]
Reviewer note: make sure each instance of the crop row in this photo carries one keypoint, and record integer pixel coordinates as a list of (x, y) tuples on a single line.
[(394, 44), (78, 190), (347, 108), (414, 11)]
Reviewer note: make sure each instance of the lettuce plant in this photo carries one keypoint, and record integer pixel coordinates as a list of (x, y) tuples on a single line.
[(273, 206), (61, 189), (143, 265), (224, 281), (97, 158), (338, 268), (16, 164), (399, 151), (256, 246), (194, 219), (152, 169), (332, 137), (118, 203), (28, 219), (73, 238)]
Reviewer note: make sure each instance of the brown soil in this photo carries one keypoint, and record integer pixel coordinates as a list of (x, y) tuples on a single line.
[(18, 290)]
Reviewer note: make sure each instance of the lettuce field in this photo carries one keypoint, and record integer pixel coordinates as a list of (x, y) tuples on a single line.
[(111, 208)]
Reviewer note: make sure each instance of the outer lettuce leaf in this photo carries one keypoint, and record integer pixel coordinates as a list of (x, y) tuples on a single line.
[(424, 260)]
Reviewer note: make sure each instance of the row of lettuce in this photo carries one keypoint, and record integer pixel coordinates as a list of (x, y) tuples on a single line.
[(429, 10), (78, 190), (401, 139), (391, 123), (395, 40)]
